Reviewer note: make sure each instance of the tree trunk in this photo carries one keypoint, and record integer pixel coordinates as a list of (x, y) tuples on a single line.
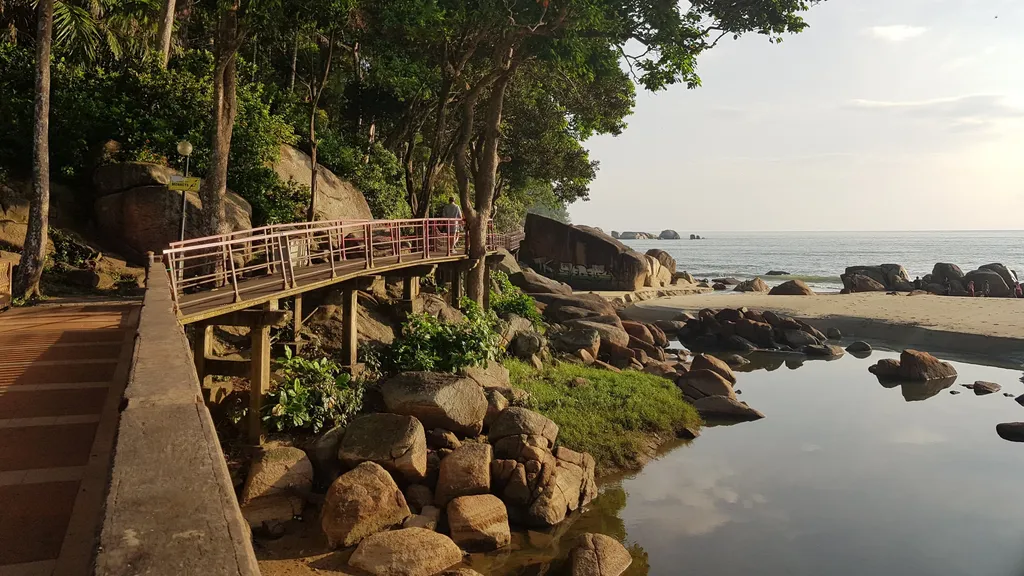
[(295, 62), (30, 269), (314, 101), (165, 31), (225, 106)]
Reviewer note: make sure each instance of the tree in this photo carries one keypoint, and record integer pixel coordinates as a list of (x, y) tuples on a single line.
[(30, 269), (487, 43), (165, 31)]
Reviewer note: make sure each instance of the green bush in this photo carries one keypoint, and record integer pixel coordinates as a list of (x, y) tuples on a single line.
[(509, 299), (613, 416), (429, 344), (314, 395)]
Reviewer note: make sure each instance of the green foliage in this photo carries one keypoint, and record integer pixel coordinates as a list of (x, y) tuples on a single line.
[(313, 395), (147, 110), (612, 417), (67, 250), (509, 299), (379, 177), (429, 344)]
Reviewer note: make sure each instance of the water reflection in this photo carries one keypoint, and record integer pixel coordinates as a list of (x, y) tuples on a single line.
[(843, 478)]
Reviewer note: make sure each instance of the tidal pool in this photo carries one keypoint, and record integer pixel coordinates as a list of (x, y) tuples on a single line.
[(844, 476)]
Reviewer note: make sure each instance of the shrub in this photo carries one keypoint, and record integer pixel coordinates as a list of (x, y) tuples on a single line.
[(429, 344), (314, 395), (511, 300)]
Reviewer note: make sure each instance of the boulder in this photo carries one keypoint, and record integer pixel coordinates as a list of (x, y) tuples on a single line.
[(684, 277), (638, 331), (361, 502), (533, 283), (406, 552), (599, 555), (526, 344), (859, 347), (650, 350), (507, 264), (777, 273), (895, 275), (708, 362), (982, 388), (496, 404), (657, 275), (738, 344), (479, 523), (146, 218), (697, 384), (730, 281), (517, 421), (609, 333), (660, 338), (755, 285), (997, 287), (1012, 431), (324, 455), (792, 288), (439, 308), (665, 259), (862, 283), (944, 272), (118, 177), (512, 326), (446, 401), (670, 326), (464, 472), (886, 369), (718, 287), (823, 351), (337, 199), (397, 443), (441, 439), (725, 408), (915, 365), (834, 333), (618, 356), (759, 333), (579, 464), (798, 338), (274, 491), (560, 308), (427, 518), (571, 313), (418, 497), (669, 235), (663, 369), (577, 339), (494, 375)]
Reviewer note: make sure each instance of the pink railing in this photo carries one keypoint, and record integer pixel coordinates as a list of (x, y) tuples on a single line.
[(290, 253)]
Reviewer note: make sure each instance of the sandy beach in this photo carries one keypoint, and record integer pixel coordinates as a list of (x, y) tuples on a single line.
[(989, 329)]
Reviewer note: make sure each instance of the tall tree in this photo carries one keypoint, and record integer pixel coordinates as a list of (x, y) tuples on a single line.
[(30, 269), (165, 31)]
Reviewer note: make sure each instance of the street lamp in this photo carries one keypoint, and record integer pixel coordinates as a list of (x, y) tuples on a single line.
[(185, 149)]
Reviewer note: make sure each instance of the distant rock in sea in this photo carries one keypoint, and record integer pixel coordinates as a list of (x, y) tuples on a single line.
[(694, 237), (777, 273), (668, 235)]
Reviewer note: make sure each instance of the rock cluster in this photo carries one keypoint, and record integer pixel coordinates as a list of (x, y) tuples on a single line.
[(945, 279), (743, 330), (877, 278), (913, 366)]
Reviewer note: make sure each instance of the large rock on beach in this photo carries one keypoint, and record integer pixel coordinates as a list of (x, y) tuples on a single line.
[(638, 331), (555, 304), (360, 502), (279, 479), (709, 362), (517, 421), (792, 288), (599, 555), (943, 272), (455, 403), (997, 287), (755, 285), (533, 283), (396, 442), (406, 552), (664, 258), (577, 339), (697, 384), (913, 365), (1008, 276), (609, 333), (862, 283), (493, 375), (726, 409)]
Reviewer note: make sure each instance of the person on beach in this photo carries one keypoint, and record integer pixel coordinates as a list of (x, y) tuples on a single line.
[(970, 288), (985, 289), (917, 283), (1018, 292), (452, 210), (948, 288)]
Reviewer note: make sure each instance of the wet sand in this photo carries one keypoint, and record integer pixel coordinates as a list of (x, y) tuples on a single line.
[(988, 329)]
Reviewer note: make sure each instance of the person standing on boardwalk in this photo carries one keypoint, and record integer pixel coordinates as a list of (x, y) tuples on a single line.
[(452, 210)]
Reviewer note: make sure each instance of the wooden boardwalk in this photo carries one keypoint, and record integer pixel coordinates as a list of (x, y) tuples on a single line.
[(63, 370)]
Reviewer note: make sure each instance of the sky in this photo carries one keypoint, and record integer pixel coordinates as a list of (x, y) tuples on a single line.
[(883, 115)]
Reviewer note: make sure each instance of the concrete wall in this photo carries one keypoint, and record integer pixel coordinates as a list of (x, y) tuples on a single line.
[(171, 508)]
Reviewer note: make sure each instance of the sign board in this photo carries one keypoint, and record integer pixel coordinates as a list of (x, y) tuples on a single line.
[(182, 184)]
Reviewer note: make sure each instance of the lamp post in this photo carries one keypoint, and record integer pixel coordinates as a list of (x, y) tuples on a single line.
[(185, 149)]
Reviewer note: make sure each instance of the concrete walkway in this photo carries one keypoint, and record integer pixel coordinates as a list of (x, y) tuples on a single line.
[(63, 370)]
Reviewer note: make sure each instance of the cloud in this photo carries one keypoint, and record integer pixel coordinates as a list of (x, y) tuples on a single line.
[(897, 32), (970, 111)]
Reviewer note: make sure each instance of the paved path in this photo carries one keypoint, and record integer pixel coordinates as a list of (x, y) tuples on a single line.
[(62, 373)]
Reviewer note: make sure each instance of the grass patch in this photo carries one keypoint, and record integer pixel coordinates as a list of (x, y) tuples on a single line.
[(613, 417)]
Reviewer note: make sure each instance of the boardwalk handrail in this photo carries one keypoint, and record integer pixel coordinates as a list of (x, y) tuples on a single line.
[(291, 252)]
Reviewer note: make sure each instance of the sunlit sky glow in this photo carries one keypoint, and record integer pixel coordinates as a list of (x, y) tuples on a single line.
[(883, 115)]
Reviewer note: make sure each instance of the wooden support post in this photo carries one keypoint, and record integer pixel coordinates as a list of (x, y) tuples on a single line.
[(297, 316), (410, 287), (259, 376), (350, 325), (202, 343)]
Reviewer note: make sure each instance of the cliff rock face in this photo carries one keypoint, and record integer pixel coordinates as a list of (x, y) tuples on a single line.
[(337, 199), (582, 256)]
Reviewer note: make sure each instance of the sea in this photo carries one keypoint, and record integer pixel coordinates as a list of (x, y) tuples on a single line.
[(818, 258)]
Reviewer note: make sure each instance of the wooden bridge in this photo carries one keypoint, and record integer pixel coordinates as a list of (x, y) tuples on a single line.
[(238, 279)]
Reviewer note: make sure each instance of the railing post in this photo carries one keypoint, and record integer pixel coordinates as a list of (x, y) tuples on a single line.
[(368, 231), (234, 275), (426, 238), (396, 242), (330, 243)]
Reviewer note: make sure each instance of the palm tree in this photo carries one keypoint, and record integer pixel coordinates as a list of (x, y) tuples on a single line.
[(30, 269)]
